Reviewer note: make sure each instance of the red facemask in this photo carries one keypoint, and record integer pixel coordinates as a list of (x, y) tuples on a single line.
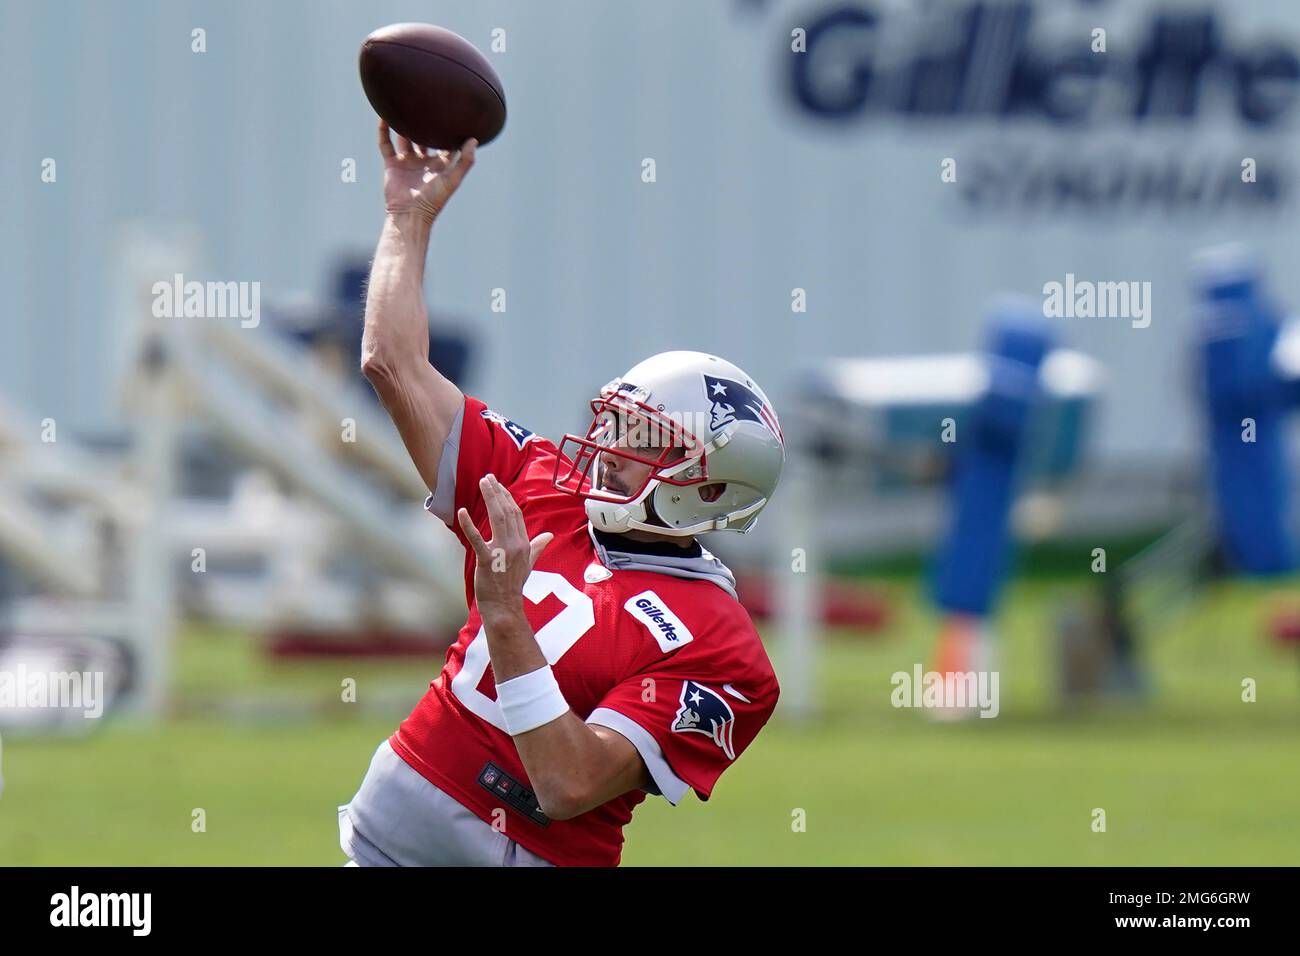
[(632, 431)]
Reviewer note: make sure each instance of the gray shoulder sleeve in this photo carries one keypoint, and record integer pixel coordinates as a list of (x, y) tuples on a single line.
[(666, 783), (443, 500)]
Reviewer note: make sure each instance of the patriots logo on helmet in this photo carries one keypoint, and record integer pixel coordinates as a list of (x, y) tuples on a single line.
[(703, 711), (518, 433), (733, 401)]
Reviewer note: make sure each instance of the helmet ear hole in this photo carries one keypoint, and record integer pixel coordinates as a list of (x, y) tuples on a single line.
[(712, 492)]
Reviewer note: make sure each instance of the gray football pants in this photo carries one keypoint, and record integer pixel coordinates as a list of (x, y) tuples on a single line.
[(398, 818)]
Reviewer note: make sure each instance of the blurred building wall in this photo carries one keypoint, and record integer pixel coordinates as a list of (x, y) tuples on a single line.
[(756, 193)]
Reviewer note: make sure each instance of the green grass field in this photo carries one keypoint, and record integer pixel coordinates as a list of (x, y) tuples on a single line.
[(1194, 775)]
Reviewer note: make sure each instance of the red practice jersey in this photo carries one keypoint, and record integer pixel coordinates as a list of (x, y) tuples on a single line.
[(672, 663)]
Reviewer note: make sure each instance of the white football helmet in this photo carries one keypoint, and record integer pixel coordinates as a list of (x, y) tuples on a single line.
[(707, 431)]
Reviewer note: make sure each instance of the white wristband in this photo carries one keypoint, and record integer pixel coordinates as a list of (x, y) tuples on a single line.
[(530, 700)]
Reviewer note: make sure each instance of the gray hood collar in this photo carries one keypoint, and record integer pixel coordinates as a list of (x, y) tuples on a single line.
[(703, 566)]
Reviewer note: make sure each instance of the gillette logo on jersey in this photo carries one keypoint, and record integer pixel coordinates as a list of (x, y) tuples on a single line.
[(703, 711), (656, 617), (683, 443), (665, 626)]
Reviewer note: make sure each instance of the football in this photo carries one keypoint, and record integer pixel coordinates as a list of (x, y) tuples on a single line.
[(431, 85)]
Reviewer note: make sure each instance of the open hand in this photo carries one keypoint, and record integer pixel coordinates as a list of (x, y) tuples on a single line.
[(421, 180), (505, 562)]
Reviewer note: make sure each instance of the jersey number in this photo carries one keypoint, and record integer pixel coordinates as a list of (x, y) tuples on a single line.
[(555, 638)]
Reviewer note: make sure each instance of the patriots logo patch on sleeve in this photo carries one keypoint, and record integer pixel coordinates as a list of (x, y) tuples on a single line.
[(518, 433), (704, 711), (734, 402)]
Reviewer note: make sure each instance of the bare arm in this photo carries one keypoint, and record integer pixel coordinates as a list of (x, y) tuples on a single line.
[(395, 344), (573, 766)]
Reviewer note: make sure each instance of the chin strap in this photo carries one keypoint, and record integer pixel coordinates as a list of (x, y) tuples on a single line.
[(726, 521), (608, 517), (617, 518)]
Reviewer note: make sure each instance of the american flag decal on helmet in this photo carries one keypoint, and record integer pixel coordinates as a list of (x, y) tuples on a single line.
[(733, 401)]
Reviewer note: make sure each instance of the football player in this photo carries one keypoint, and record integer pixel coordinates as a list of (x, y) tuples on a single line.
[(606, 656)]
